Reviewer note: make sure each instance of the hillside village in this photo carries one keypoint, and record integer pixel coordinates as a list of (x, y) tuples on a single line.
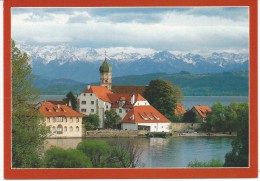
[(134, 110)]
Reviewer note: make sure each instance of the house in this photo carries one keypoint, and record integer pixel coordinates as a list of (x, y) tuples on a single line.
[(145, 117), (62, 120), (95, 100), (179, 110), (201, 112)]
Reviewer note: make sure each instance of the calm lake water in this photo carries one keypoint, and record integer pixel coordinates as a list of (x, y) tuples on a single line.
[(168, 152), (188, 101)]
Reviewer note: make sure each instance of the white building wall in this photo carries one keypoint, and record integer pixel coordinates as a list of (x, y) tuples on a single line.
[(141, 103), (157, 127), (128, 126), (121, 112), (89, 103), (64, 126)]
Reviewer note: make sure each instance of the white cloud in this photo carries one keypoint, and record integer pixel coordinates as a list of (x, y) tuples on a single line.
[(168, 29)]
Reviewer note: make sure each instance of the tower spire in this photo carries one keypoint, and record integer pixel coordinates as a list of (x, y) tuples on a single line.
[(106, 73)]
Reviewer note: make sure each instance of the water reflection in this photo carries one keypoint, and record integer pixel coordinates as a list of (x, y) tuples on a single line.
[(169, 152)]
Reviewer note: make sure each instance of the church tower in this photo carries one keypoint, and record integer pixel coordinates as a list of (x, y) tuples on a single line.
[(106, 74)]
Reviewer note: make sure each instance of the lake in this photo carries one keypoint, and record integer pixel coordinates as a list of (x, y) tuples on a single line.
[(188, 101), (168, 152)]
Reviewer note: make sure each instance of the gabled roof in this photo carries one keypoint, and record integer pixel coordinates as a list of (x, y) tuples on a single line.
[(120, 89), (115, 98), (49, 109), (179, 110), (138, 97), (202, 110), (100, 91), (144, 114)]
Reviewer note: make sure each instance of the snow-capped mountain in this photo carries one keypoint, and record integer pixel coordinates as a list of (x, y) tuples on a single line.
[(82, 64)]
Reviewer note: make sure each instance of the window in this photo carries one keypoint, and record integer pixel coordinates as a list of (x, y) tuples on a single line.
[(71, 129), (54, 119), (59, 119), (65, 119), (48, 120), (107, 107), (59, 129), (77, 120), (92, 102), (53, 129), (90, 94), (84, 94), (83, 102), (77, 129), (120, 110), (83, 110), (71, 120), (92, 110), (126, 111), (65, 129)]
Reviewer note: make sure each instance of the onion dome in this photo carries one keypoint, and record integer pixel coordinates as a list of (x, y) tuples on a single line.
[(105, 67)]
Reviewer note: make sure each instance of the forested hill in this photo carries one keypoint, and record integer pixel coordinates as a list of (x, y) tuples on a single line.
[(228, 83), (215, 84)]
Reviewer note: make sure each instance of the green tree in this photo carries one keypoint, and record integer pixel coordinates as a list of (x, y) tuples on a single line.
[(111, 119), (217, 119), (59, 158), (98, 152), (163, 96), (28, 129), (125, 154), (70, 98), (189, 117), (238, 156), (224, 118), (91, 121)]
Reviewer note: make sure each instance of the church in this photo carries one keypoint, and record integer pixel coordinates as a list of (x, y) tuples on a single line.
[(135, 111)]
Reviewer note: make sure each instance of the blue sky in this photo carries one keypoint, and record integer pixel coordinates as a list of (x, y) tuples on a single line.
[(174, 29)]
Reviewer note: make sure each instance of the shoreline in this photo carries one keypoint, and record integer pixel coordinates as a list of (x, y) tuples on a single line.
[(132, 133)]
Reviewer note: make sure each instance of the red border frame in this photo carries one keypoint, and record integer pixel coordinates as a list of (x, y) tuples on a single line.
[(10, 173)]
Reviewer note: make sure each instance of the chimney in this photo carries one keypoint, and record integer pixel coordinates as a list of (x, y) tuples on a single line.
[(88, 87), (133, 99), (70, 104), (58, 106)]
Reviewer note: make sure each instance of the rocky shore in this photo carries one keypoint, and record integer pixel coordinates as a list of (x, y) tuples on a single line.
[(110, 133)]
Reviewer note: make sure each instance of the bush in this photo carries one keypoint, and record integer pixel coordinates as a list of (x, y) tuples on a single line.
[(60, 158), (211, 163)]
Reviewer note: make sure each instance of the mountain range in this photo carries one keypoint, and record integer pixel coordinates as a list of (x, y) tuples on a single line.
[(210, 84), (82, 64)]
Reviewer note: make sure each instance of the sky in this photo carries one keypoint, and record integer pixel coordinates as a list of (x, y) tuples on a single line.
[(172, 29)]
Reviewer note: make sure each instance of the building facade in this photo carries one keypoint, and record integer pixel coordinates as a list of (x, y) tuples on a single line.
[(61, 119)]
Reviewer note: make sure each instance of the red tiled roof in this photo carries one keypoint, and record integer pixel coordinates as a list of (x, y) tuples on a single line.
[(180, 109), (100, 91), (51, 110), (117, 89), (114, 99), (138, 97), (144, 114), (203, 110)]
